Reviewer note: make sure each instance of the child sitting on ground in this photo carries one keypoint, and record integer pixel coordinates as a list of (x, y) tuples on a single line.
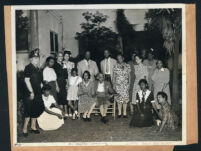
[(166, 114), (52, 117)]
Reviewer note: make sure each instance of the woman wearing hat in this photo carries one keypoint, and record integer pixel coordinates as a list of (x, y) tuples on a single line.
[(33, 105)]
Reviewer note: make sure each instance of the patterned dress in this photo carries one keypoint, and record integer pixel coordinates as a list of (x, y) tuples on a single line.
[(161, 77), (121, 82), (140, 73), (85, 93), (172, 119)]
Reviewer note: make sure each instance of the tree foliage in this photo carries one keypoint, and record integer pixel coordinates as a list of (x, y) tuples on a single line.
[(168, 22), (22, 23), (96, 37)]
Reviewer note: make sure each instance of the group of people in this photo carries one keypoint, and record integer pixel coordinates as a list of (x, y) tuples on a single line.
[(63, 89)]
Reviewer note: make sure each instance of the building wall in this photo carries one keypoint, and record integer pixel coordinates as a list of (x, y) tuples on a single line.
[(47, 21)]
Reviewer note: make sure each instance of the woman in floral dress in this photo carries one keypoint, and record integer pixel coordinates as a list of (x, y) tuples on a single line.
[(121, 83)]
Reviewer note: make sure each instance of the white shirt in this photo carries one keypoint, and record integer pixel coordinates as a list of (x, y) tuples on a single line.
[(75, 80), (107, 62), (48, 101), (49, 74), (101, 87)]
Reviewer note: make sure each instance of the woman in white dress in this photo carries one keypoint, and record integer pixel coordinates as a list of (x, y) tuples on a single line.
[(52, 117), (72, 97)]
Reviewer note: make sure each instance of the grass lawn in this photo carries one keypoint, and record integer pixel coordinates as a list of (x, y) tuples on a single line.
[(95, 131)]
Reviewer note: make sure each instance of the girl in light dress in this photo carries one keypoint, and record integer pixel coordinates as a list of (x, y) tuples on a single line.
[(53, 117), (72, 95), (68, 65)]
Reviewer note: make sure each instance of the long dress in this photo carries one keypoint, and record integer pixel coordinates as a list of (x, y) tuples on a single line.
[(85, 93), (151, 66), (144, 99), (62, 76), (73, 88), (48, 121), (161, 77), (33, 108), (140, 73), (121, 82)]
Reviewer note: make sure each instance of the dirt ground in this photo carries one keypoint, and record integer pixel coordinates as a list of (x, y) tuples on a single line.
[(95, 131)]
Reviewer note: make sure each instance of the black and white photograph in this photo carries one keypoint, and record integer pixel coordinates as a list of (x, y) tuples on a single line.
[(99, 74)]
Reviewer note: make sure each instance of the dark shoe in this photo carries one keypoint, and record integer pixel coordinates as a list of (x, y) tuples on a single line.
[(89, 119), (25, 134), (35, 131), (103, 119), (119, 116), (106, 121), (125, 116), (84, 119)]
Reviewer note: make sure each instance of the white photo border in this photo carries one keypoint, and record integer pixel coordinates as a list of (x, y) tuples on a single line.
[(98, 6)]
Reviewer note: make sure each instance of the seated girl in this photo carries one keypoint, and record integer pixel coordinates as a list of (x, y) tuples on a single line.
[(166, 114), (103, 90), (145, 103), (52, 117), (72, 96)]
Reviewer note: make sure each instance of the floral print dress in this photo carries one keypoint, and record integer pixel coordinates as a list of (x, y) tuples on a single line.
[(121, 82)]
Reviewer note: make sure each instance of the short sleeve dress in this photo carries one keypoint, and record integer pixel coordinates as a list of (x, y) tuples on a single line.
[(121, 82), (85, 93), (33, 108), (73, 88)]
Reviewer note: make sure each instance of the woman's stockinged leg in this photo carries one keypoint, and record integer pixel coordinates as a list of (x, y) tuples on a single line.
[(119, 108), (125, 109), (85, 114), (105, 109), (91, 109), (102, 110), (33, 123), (26, 122)]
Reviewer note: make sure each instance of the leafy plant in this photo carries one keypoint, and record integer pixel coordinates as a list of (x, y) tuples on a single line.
[(96, 37)]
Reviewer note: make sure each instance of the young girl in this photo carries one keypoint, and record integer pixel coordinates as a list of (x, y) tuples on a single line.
[(166, 114), (52, 117), (145, 103), (72, 97)]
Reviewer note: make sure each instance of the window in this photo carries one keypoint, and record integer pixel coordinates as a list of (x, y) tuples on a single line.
[(53, 41)]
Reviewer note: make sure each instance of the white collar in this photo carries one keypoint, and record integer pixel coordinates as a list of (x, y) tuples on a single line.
[(147, 93), (162, 69)]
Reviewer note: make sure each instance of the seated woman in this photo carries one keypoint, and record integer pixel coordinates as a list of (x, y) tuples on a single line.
[(52, 117), (145, 103), (103, 91), (86, 96), (166, 114)]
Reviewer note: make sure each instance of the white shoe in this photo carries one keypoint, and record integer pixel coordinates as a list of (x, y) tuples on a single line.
[(74, 116), (70, 115), (66, 115)]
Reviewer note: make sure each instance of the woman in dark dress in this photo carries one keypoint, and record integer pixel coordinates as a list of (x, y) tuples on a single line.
[(144, 100), (33, 105), (62, 77)]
